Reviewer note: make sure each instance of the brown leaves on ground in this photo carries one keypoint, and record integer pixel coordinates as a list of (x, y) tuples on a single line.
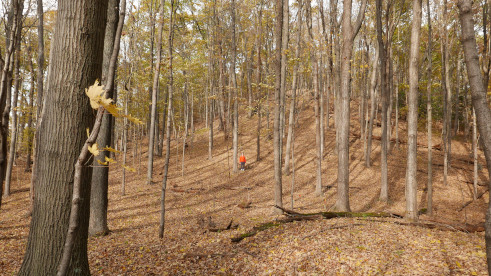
[(209, 194)]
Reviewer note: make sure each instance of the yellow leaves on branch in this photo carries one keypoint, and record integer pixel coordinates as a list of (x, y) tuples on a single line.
[(97, 96)]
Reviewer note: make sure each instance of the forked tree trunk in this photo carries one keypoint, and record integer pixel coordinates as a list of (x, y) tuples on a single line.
[(349, 32), (154, 115), (100, 174), (411, 180)]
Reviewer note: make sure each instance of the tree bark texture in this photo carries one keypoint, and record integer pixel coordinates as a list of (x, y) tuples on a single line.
[(77, 47), (479, 101), (411, 180)]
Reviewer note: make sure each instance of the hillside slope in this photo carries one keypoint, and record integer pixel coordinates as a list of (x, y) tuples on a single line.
[(206, 194)]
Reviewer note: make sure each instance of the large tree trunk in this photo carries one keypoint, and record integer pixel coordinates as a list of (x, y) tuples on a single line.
[(154, 115), (411, 180), (100, 174), (479, 101), (62, 140), (349, 32)]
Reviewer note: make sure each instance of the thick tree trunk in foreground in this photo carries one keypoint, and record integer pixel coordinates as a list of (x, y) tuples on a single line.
[(100, 174), (61, 140), (411, 180), (479, 101), (154, 115)]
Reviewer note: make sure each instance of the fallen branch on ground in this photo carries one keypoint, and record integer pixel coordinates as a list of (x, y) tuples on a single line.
[(470, 201)]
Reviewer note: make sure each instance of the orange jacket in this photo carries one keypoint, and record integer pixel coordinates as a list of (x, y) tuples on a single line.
[(242, 159)]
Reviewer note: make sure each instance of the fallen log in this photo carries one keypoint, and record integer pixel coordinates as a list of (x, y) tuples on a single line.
[(292, 216), (330, 215)]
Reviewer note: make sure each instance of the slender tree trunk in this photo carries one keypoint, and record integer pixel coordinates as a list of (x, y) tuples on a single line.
[(30, 132), (81, 55), (156, 74), (40, 88), (384, 191), (235, 98), (278, 190), (447, 106), (373, 104), (411, 180), (169, 110), (429, 117), (294, 90), (13, 135), (474, 150)]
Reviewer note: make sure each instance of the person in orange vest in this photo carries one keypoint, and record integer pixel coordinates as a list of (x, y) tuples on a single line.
[(242, 161)]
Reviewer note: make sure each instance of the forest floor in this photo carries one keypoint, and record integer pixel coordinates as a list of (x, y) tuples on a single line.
[(207, 194)]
